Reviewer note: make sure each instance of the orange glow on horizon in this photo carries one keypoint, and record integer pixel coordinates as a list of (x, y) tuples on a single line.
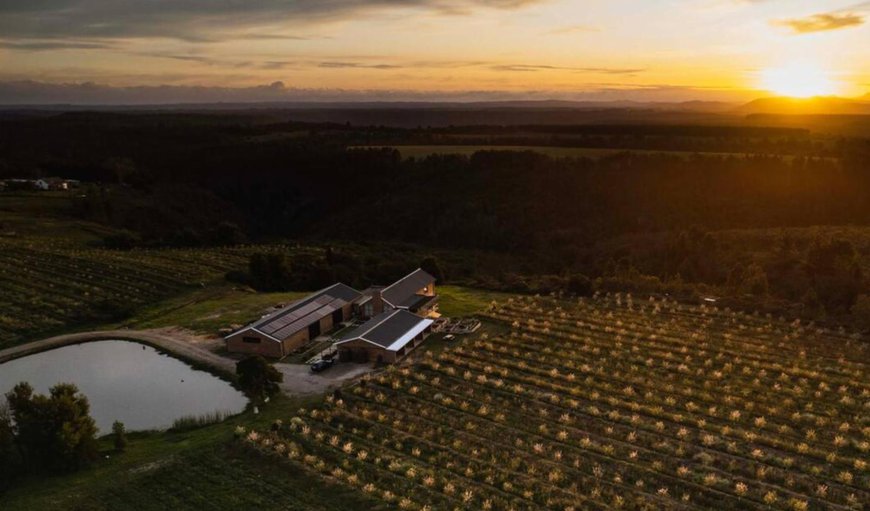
[(799, 80)]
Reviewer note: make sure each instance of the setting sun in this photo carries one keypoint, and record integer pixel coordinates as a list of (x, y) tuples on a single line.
[(798, 81)]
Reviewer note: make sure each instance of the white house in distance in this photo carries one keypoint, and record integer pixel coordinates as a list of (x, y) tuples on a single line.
[(396, 321), (54, 183)]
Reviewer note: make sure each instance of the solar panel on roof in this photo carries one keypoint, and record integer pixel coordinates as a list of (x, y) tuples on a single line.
[(308, 319), (293, 315), (301, 313)]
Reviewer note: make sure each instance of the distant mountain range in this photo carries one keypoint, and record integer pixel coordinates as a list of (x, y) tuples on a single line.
[(770, 111), (770, 105), (828, 105), (546, 104)]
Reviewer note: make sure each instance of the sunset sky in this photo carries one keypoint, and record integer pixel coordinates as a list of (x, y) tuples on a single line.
[(651, 50)]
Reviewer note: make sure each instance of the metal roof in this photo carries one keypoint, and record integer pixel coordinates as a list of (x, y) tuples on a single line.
[(390, 330), (404, 290), (302, 313)]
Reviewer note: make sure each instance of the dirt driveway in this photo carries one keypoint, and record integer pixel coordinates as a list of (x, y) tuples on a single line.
[(299, 380)]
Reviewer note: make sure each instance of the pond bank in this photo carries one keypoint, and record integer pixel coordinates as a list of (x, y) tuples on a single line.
[(197, 357), (142, 386)]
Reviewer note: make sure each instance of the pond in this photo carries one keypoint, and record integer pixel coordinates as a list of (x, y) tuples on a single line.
[(126, 381)]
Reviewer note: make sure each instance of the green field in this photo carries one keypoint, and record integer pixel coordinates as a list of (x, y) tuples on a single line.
[(554, 404), (51, 285), (206, 468), (56, 277), (421, 151), (195, 470), (457, 301), (603, 404), (207, 310)]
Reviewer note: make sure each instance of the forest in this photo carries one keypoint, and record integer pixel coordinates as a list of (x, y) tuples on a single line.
[(658, 221)]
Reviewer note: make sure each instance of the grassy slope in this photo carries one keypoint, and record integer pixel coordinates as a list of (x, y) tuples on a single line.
[(458, 301), (45, 215), (37, 228), (208, 310), (228, 477), (199, 469)]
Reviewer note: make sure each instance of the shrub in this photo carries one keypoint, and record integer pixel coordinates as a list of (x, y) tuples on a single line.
[(257, 377), (269, 272), (432, 266), (124, 240), (8, 453), (189, 422), (119, 436)]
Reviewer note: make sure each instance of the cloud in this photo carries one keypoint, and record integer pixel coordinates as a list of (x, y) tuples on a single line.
[(276, 37), (356, 65), (275, 65), (192, 58), (821, 22), (42, 45), (376, 63), (201, 20), (524, 68)]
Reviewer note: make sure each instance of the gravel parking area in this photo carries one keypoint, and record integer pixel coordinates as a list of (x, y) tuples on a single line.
[(299, 380)]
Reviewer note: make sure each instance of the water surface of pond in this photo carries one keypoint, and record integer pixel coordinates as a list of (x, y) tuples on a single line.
[(126, 381)]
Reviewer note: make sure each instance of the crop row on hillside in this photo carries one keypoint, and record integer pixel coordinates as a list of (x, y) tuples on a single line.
[(605, 403), (45, 286)]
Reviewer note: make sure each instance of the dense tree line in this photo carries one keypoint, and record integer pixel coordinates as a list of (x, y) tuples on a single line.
[(357, 266), (492, 200), (212, 179), (187, 180)]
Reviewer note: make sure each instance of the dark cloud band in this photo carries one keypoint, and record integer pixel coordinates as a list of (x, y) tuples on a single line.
[(197, 20)]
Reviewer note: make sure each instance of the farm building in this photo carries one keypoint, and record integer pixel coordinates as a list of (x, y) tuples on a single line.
[(371, 304), (414, 292), (387, 337), (51, 183), (278, 334)]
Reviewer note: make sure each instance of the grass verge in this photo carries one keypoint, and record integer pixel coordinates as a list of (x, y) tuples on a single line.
[(180, 470)]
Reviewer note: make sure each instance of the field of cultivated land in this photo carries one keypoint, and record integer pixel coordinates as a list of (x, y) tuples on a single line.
[(47, 285), (422, 151), (600, 404)]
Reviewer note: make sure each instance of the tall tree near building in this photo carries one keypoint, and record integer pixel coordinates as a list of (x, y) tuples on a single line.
[(257, 377)]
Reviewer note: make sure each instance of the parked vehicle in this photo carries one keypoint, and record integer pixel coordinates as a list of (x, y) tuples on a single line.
[(322, 365)]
